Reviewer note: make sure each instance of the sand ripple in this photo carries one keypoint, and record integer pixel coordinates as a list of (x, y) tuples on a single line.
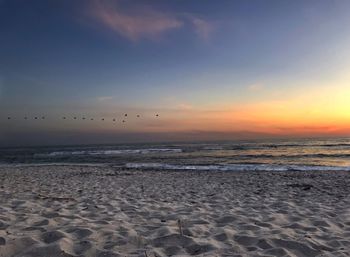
[(66, 211)]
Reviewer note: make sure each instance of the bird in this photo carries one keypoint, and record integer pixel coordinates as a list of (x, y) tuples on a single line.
[(35, 118), (64, 118), (75, 118), (126, 115), (113, 119), (9, 118), (83, 118), (92, 119), (123, 120), (138, 116), (43, 117), (102, 119), (157, 115)]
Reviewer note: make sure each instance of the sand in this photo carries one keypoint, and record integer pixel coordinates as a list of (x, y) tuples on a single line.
[(109, 211)]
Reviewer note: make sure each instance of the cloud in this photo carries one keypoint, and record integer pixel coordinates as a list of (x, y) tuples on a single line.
[(104, 98), (144, 22), (202, 28), (135, 24), (184, 107), (255, 87)]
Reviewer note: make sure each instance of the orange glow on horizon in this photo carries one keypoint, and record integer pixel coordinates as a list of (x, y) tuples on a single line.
[(321, 110)]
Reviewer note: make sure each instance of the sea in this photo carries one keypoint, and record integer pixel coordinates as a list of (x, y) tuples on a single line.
[(249, 155)]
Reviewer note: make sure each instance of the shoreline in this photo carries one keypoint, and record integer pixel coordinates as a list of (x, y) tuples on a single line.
[(110, 211), (164, 167)]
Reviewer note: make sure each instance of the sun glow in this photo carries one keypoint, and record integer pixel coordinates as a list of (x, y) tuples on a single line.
[(318, 110)]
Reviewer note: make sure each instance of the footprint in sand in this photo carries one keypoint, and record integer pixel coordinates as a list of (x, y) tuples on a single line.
[(82, 247), (2, 241), (79, 232), (3, 225), (52, 236)]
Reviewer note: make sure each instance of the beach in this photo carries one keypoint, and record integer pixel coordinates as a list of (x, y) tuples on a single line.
[(106, 210), (174, 128)]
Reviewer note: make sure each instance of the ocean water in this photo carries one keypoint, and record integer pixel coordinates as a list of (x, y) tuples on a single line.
[(279, 155)]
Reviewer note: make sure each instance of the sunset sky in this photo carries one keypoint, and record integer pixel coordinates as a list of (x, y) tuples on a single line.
[(211, 69)]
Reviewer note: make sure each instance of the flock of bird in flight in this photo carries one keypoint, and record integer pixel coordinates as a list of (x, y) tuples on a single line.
[(76, 118)]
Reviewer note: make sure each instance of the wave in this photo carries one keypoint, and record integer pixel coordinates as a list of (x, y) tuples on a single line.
[(278, 156), (109, 152), (6, 165), (292, 156), (257, 155), (190, 167), (301, 145), (262, 146), (235, 167), (213, 148)]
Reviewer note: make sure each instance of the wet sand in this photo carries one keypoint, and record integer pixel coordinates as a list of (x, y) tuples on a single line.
[(109, 211)]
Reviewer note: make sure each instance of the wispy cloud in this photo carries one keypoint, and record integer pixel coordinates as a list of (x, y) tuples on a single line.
[(184, 107), (202, 27), (104, 98), (134, 24), (256, 87), (140, 22)]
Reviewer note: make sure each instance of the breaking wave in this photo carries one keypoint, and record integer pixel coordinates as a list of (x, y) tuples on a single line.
[(235, 167), (110, 152)]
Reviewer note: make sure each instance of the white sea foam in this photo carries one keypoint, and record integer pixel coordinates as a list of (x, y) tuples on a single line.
[(53, 164), (214, 167), (111, 152), (213, 148), (236, 167)]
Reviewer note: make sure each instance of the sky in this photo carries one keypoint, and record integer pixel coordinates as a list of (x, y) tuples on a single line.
[(212, 70)]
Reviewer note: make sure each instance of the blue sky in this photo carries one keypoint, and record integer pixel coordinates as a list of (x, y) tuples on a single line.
[(95, 56)]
